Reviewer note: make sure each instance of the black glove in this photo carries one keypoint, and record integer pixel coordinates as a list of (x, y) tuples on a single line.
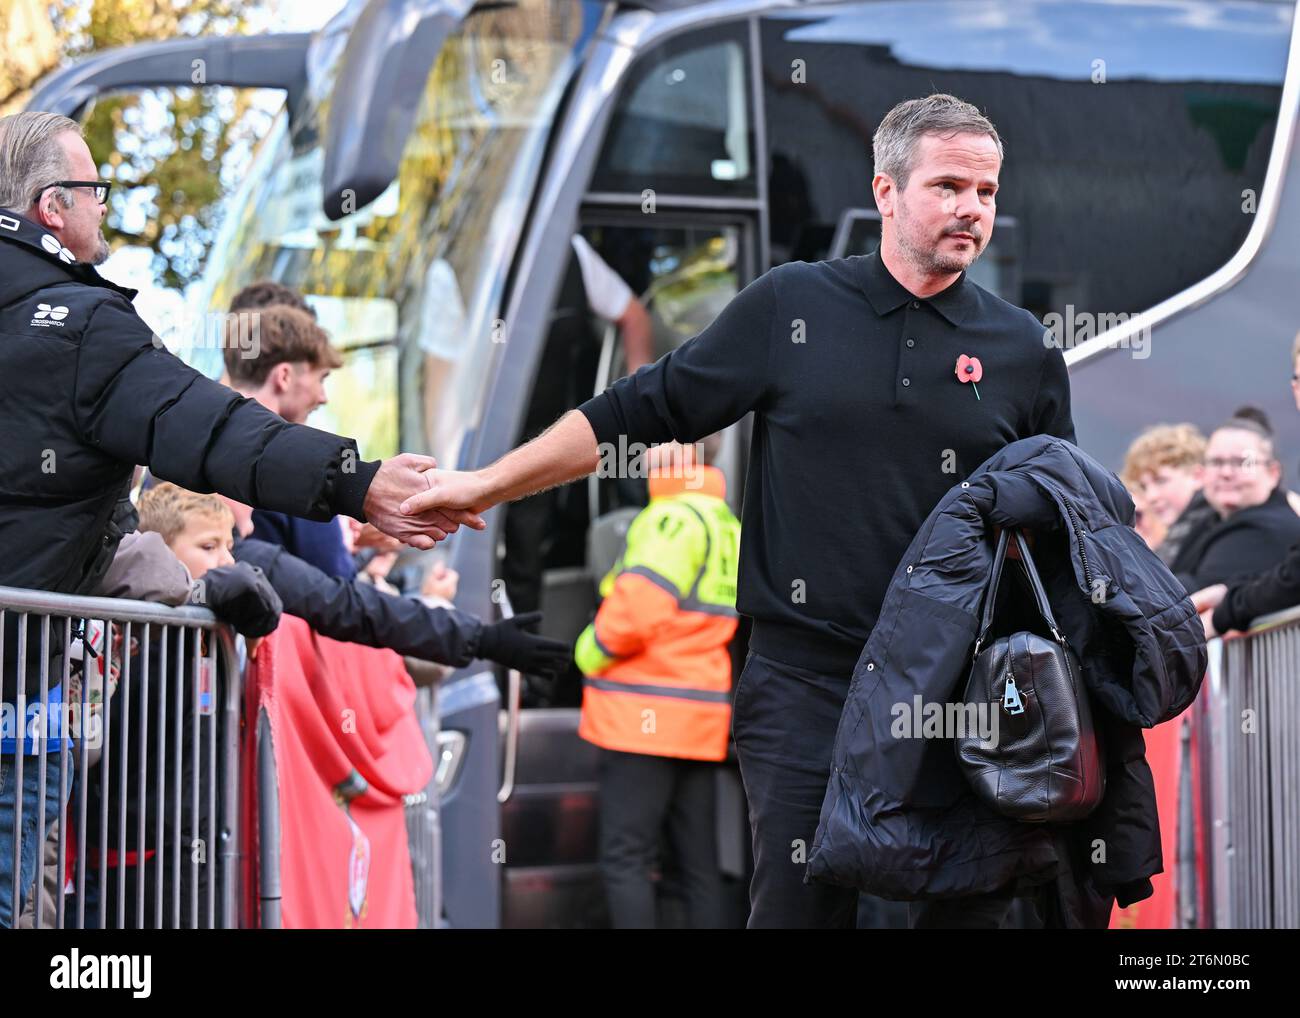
[(508, 643), (240, 595)]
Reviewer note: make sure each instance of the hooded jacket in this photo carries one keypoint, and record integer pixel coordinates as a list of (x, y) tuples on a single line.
[(899, 819), (90, 392)]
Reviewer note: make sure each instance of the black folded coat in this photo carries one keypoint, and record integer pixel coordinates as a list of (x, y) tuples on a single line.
[(899, 819)]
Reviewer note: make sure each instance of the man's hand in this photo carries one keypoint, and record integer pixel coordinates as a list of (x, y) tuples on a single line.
[(564, 452), (1205, 601), (450, 491), (397, 480)]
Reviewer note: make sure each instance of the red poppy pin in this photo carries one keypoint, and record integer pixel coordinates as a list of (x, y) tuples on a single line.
[(969, 369)]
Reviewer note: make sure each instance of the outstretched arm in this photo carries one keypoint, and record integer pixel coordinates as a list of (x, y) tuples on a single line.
[(142, 404), (564, 452), (358, 613), (709, 382)]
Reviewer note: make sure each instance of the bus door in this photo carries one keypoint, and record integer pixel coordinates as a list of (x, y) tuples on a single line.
[(673, 210)]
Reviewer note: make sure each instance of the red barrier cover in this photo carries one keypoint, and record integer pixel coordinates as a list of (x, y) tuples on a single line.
[(347, 748), (1164, 758)]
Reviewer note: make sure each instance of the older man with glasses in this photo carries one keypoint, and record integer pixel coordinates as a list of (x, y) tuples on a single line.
[(89, 393)]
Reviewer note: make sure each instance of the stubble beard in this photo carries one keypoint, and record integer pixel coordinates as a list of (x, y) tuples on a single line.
[(101, 250), (930, 260)]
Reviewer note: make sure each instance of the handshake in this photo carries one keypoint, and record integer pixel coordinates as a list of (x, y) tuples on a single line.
[(414, 502), (411, 500)]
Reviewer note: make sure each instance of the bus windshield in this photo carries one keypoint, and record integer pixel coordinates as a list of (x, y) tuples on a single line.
[(410, 286)]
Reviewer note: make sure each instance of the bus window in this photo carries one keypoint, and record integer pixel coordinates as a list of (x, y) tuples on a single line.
[(683, 124), (1126, 176)]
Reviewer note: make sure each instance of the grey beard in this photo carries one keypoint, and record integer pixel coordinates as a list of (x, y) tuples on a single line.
[(946, 263), (933, 261), (101, 251)]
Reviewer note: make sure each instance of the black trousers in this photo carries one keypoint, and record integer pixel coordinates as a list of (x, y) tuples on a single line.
[(784, 725), (640, 797)]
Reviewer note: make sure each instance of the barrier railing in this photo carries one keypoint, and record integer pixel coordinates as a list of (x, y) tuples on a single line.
[(424, 824), (130, 715), (133, 736), (1246, 774)]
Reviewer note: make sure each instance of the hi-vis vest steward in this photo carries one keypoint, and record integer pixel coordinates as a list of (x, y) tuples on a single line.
[(656, 658)]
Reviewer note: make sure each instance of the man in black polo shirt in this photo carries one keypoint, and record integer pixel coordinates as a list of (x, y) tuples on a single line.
[(864, 416)]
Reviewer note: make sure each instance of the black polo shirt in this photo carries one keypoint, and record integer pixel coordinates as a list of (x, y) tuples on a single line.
[(860, 427)]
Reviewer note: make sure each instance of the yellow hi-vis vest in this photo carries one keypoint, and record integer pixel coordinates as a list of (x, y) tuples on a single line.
[(657, 655)]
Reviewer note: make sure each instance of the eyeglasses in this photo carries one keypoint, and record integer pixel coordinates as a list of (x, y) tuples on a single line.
[(1236, 462), (101, 188)]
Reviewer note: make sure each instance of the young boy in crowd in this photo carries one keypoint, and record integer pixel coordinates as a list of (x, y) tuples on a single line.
[(254, 580)]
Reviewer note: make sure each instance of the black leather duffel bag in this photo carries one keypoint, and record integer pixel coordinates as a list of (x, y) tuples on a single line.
[(1040, 760)]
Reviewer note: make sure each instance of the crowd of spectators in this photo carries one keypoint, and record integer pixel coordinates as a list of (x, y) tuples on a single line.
[(1218, 512)]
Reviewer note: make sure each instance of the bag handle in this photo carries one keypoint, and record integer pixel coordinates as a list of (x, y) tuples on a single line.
[(1035, 583)]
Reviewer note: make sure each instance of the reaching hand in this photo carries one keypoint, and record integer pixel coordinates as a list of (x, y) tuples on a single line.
[(441, 582), (451, 491), (1209, 598), (510, 643), (367, 535), (1207, 620), (395, 484)]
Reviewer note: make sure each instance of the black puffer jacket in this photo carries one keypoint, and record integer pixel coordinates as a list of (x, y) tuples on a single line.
[(88, 394), (899, 819), (359, 613), (1246, 543)]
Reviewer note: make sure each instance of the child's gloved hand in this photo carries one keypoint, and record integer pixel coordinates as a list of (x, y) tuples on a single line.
[(241, 595), (509, 643)]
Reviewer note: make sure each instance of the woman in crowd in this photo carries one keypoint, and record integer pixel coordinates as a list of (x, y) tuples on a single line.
[(1253, 523)]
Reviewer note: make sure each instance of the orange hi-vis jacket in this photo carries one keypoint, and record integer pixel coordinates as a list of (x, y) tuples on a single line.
[(656, 658)]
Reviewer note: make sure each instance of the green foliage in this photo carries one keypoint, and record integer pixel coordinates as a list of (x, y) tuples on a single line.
[(168, 150)]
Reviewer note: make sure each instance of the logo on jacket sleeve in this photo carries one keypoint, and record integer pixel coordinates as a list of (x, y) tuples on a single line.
[(49, 315)]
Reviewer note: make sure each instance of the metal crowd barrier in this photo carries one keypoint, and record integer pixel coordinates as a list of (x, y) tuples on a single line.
[(1247, 730), (150, 782), (424, 823)]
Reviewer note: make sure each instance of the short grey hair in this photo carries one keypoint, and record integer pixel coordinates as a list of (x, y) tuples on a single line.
[(894, 144), (31, 157)]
